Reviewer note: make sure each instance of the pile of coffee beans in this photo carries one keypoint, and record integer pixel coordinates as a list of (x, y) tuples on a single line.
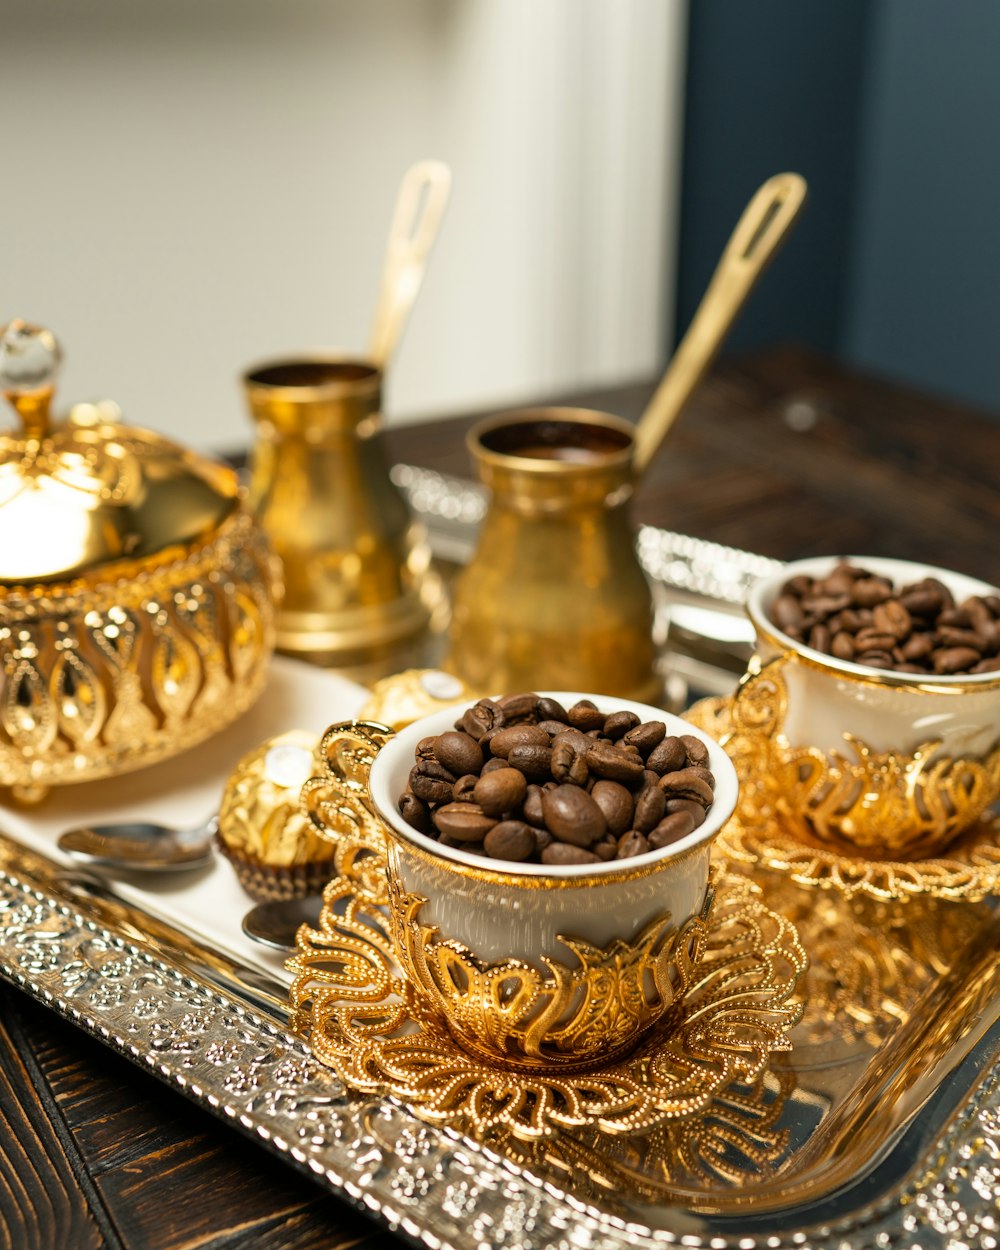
[(856, 615), (524, 779)]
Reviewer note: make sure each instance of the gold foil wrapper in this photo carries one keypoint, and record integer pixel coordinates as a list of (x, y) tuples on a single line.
[(260, 818)]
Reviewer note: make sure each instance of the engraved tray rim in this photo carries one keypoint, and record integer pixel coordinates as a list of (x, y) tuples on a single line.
[(941, 1161)]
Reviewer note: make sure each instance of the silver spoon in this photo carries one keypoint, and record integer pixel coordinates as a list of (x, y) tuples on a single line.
[(275, 924), (141, 847)]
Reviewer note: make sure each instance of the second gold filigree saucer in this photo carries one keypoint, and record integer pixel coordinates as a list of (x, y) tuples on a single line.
[(756, 837)]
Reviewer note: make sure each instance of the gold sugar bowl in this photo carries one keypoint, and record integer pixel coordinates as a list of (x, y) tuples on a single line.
[(137, 594)]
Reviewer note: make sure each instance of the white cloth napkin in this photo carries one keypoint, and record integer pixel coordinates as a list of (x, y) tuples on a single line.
[(209, 904)]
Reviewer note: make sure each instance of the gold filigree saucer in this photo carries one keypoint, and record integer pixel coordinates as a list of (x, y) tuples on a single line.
[(736, 1005), (756, 837)]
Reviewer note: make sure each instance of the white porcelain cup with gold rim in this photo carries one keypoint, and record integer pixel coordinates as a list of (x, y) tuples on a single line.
[(490, 940), (889, 764)]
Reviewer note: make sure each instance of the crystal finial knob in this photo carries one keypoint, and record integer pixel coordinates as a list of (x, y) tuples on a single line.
[(30, 357), (29, 361)]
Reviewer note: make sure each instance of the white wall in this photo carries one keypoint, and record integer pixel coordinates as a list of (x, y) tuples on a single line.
[(188, 186)]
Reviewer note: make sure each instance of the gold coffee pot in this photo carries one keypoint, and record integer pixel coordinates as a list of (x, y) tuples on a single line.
[(357, 575), (136, 592), (554, 597)]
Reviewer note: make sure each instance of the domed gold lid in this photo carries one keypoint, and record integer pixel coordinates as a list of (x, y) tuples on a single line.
[(90, 492)]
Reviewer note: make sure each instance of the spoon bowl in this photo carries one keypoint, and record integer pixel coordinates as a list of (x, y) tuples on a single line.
[(275, 924), (140, 846)]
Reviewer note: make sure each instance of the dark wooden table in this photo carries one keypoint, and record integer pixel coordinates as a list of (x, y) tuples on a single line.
[(783, 453)]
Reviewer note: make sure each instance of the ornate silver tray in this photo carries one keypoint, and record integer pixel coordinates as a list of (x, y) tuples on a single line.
[(881, 1129)]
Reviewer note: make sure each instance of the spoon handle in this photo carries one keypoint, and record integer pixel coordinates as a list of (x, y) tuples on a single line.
[(423, 197), (753, 243)]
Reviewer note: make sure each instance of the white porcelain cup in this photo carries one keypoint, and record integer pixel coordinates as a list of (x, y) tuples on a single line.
[(517, 914), (897, 764)]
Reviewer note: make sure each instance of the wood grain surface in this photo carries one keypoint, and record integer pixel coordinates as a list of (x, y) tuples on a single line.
[(784, 453)]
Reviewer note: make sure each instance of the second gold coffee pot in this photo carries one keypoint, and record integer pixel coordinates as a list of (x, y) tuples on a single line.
[(356, 567), (554, 596)]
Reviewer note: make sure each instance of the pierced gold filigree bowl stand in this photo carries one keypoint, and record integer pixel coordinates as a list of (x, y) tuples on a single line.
[(735, 972), (767, 830)]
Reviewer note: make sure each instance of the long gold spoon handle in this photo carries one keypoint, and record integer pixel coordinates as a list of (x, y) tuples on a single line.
[(423, 196), (753, 243)]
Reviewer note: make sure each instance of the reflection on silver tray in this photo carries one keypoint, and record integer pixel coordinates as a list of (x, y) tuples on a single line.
[(190, 1016)]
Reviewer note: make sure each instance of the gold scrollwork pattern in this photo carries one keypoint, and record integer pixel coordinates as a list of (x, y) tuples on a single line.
[(96, 679), (761, 835)]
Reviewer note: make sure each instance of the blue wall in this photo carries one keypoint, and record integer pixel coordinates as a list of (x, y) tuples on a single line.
[(891, 109), (924, 291)]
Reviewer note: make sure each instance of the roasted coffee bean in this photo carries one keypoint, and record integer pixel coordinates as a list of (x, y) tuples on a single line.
[(799, 585), (825, 604), (480, 719), (517, 708), (993, 603), (585, 716), (697, 751), (842, 646), (787, 613), (706, 774), (606, 850), (951, 636), (511, 839), (876, 659), (605, 761), (820, 637), (500, 791), (650, 808), (533, 807), (464, 788), (992, 665), (687, 784), (425, 749), (534, 761), (619, 723), (506, 739), (632, 843), (569, 760), (551, 709), (646, 736), (573, 816), (870, 639), (956, 618), (868, 591), (671, 829), (456, 844), (917, 647), (670, 755), (955, 660), (616, 803), (552, 727), (493, 765), (458, 752), (694, 809), (853, 620), (415, 812), (431, 781), (947, 598), (922, 601), (467, 822), (561, 854), (542, 839), (892, 618)]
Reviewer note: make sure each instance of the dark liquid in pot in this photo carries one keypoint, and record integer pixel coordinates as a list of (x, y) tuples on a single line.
[(572, 442)]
